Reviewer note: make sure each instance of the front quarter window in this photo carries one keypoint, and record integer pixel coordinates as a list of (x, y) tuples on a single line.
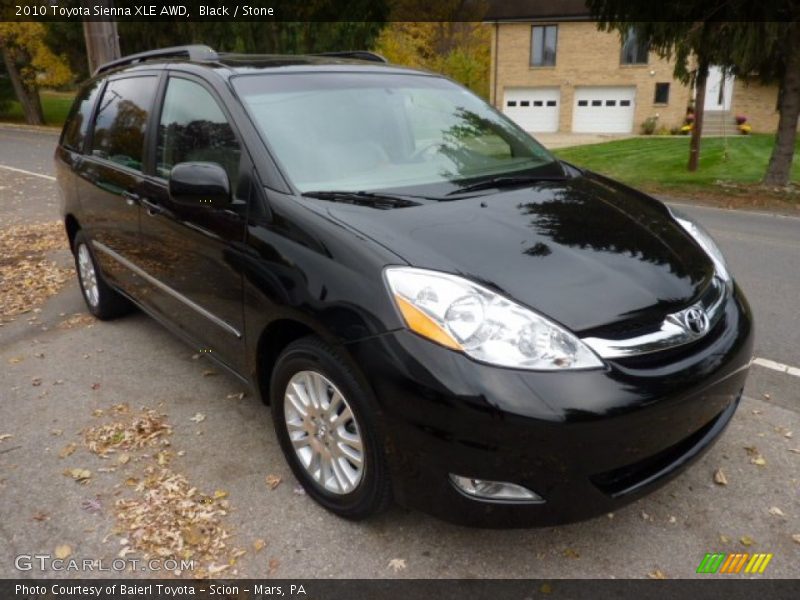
[(366, 132)]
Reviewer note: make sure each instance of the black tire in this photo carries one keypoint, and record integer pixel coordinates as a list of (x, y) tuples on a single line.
[(373, 493), (109, 303)]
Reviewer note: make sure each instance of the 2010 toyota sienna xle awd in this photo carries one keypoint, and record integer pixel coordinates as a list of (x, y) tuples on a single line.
[(437, 310)]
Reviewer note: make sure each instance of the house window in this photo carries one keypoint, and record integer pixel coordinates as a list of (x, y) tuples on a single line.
[(543, 45), (634, 48), (662, 94), (511, 103)]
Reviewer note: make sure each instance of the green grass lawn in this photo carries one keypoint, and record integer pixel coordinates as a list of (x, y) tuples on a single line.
[(55, 106), (659, 163)]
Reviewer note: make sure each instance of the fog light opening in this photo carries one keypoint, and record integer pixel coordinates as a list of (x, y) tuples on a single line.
[(494, 491)]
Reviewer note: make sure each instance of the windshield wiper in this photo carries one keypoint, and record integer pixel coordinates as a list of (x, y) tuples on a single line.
[(374, 199), (506, 181)]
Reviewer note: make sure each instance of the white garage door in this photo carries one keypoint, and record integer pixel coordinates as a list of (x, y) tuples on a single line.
[(533, 109), (603, 110)]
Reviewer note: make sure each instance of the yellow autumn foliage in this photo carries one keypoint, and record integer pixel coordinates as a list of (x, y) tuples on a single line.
[(460, 50), (38, 64)]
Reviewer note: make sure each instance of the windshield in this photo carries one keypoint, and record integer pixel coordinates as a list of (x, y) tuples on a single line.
[(367, 132)]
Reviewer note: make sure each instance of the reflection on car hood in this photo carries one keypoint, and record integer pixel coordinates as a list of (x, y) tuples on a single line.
[(585, 251)]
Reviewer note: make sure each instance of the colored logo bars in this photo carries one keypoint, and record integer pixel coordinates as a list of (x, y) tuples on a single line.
[(719, 562)]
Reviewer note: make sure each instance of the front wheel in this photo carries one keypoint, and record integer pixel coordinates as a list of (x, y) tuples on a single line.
[(328, 428)]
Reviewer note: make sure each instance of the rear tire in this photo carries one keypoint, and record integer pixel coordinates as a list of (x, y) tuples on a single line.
[(103, 301), (329, 429)]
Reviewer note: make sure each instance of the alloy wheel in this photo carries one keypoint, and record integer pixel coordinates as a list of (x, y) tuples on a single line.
[(88, 276), (323, 432)]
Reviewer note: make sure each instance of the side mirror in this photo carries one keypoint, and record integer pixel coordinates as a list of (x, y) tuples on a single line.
[(199, 184)]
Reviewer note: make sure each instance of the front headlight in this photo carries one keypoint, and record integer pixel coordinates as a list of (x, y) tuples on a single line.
[(464, 316), (706, 242)]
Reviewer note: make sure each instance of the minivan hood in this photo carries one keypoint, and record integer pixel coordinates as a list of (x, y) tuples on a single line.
[(585, 252)]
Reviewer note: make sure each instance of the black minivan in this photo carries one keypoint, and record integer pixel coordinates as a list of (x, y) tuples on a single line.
[(437, 310)]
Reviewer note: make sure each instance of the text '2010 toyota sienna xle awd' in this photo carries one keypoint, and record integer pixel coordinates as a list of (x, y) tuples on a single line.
[(437, 310)]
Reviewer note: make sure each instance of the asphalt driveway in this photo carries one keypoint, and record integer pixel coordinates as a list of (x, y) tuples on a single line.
[(65, 375)]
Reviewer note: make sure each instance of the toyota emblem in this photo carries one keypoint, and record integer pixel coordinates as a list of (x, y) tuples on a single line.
[(695, 320)]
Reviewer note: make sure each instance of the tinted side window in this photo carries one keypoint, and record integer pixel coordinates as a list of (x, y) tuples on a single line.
[(122, 119), (194, 128), (78, 121)]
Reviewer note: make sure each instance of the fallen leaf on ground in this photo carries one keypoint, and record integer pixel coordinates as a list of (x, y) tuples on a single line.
[(298, 490), (570, 553), (238, 396), (41, 516), (397, 564), (92, 505), (15, 360), (67, 450), (168, 517), (79, 475), (209, 373), (220, 494), (746, 540), (719, 477), (146, 428), (63, 551), (163, 458), (124, 459), (95, 386), (545, 588), (6, 436), (657, 574), (758, 460), (198, 418), (258, 545), (796, 538), (776, 512), (724, 539), (77, 320), (28, 275), (273, 481), (273, 565)]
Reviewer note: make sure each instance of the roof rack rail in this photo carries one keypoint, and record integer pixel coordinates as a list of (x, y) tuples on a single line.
[(192, 52), (357, 54)]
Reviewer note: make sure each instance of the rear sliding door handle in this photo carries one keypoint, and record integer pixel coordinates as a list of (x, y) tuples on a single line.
[(131, 198)]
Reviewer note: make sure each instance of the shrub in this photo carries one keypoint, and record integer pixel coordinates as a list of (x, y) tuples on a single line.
[(649, 125)]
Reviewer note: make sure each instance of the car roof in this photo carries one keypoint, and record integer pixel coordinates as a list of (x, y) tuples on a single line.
[(200, 58)]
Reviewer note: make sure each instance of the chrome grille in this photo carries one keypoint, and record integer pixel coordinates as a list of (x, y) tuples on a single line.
[(679, 328)]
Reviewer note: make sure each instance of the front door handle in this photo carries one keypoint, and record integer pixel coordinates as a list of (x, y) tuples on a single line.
[(153, 209)]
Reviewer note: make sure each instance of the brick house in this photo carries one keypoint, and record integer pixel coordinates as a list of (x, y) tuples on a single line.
[(553, 70)]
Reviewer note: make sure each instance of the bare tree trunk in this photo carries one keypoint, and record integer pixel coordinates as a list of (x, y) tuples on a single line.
[(779, 170), (28, 97), (699, 109)]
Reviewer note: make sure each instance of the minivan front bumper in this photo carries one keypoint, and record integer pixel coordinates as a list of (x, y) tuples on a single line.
[(587, 442)]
